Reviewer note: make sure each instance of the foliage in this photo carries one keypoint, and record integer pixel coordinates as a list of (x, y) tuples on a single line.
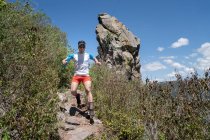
[(2, 4), (116, 101), (65, 75), (31, 51), (170, 110)]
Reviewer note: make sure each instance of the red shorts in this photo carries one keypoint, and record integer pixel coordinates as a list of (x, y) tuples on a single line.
[(79, 79)]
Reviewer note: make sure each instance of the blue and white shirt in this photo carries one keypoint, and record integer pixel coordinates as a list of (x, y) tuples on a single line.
[(81, 62)]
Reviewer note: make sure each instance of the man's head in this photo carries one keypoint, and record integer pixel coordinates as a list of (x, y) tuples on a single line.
[(81, 46), (81, 43)]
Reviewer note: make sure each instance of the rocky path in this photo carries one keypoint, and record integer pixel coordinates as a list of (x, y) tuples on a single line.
[(73, 122)]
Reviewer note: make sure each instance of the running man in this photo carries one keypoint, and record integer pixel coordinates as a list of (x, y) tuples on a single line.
[(81, 61)]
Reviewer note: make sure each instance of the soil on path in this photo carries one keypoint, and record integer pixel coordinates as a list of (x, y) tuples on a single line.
[(74, 123)]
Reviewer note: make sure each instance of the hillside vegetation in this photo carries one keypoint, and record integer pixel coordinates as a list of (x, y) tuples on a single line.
[(31, 50), (170, 110)]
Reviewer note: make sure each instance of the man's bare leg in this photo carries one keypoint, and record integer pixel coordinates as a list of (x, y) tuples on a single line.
[(74, 86), (87, 85)]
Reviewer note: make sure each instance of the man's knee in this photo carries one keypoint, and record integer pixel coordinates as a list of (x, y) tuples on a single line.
[(87, 90), (74, 92)]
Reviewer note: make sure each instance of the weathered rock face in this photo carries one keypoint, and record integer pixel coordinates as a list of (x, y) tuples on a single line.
[(118, 47)]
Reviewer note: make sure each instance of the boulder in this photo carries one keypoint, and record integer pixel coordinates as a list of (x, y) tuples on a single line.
[(118, 47)]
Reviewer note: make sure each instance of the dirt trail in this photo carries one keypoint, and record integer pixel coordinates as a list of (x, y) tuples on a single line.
[(73, 122)]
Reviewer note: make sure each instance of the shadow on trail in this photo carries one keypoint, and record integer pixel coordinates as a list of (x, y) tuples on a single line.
[(73, 110)]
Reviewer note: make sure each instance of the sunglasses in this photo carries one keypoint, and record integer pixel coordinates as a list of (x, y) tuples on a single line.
[(81, 46)]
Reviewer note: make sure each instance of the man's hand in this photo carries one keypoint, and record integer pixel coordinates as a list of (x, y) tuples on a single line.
[(64, 61), (98, 63)]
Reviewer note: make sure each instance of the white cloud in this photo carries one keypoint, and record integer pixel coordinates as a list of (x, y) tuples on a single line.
[(192, 55), (160, 49), (185, 69), (205, 49), (159, 79), (178, 65), (180, 43), (172, 74), (168, 61), (153, 66), (189, 70), (204, 61), (167, 57), (173, 64)]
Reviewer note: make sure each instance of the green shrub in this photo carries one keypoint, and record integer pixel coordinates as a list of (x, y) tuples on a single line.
[(116, 104), (31, 51), (169, 110)]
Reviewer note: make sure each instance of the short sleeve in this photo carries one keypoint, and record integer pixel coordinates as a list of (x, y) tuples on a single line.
[(69, 57), (91, 56)]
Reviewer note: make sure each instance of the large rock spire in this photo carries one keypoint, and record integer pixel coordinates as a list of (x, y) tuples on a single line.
[(118, 47)]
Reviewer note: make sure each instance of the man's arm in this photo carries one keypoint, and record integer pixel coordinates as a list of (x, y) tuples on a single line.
[(67, 59), (95, 60)]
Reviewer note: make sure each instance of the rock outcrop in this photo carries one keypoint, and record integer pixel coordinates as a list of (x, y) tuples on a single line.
[(118, 47)]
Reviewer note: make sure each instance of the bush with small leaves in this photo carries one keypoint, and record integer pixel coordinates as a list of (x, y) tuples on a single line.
[(166, 110), (31, 52)]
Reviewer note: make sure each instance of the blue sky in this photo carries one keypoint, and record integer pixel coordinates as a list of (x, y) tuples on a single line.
[(174, 34)]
